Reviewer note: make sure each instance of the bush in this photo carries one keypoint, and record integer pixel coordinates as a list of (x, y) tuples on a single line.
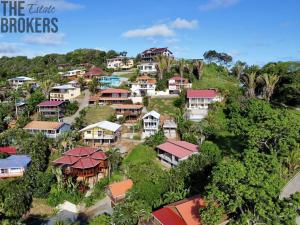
[(145, 101), (72, 108), (58, 195)]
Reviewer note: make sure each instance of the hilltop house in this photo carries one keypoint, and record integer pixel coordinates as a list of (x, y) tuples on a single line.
[(118, 63), (184, 212), (49, 129), (83, 163), (117, 191), (111, 96), (73, 74), (199, 102), (14, 166), (104, 132), (173, 152), (177, 83), (148, 63), (151, 122), (109, 82), (20, 81), (144, 86), (65, 92), (129, 111), (52, 109)]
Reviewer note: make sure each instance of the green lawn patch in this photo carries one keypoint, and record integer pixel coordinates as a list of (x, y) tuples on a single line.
[(163, 106), (96, 114), (140, 154)]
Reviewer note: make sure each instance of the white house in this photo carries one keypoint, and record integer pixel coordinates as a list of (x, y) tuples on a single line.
[(74, 73), (177, 83), (147, 67), (19, 81), (144, 86), (48, 128), (14, 166), (65, 92), (151, 122), (118, 63)]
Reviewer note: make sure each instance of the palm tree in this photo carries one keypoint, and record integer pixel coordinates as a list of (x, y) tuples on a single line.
[(269, 81), (81, 83), (199, 65), (125, 61), (238, 69), (169, 62), (115, 159), (161, 66), (93, 85), (46, 87), (249, 81), (27, 88)]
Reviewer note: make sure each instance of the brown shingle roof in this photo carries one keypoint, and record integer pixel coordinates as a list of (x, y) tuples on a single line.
[(120, 188), (43, 125)]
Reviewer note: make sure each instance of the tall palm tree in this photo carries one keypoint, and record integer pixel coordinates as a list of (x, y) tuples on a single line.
[(199, 65), (269, 81), (27, 88), (46, 87), (169, 61), (115, 158), (249, 81), (161, 66)]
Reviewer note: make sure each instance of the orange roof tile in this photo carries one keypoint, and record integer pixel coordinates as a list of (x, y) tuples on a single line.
[(43, 125), (120, 188)]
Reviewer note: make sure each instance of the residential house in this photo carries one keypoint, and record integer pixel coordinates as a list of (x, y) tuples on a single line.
[(173, 152), (20, 81), (170, 128), (151, 123), (109, 82), (111, 96), (73, 74), (83, 163), (48, 128), (93, 72), (129, 111), (14, 166), (148, 62), (117, 191), (104, 132), (65, 92), (177, 83), (184, 212), (199, 102), (119, 63), (52, 109), (8, 150), (144, 86)]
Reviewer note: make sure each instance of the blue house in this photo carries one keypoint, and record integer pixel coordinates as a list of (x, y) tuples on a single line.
[(14, 166), (110, 82)]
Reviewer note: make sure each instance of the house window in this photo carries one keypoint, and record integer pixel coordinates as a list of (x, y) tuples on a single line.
[(89, 132)]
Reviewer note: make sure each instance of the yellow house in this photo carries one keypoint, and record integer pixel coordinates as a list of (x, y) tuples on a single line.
[(64, 93), (104, 132)]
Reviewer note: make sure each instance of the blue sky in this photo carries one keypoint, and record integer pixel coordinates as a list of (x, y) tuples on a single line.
[(255, 31)]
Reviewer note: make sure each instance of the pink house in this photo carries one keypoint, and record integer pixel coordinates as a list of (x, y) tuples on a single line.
[(201, 99), (177, 83)]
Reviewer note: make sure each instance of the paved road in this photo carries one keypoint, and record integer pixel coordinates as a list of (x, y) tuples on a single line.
[(82, 104), (291, 188)]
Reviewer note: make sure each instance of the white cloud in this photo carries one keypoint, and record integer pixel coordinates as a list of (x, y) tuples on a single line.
[(171, 40), (180, 23), (216, 4), (45, 39), (161, 30), (60, 5), (9, 49)]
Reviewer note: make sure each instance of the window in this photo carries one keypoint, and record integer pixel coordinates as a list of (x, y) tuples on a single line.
[(89, 132)]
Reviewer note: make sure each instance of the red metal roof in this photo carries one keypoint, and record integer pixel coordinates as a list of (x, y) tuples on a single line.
[(8, 150), (177, 78), (67, 160), (202, 93), (85, 163), (99, 155), (180, 149), (167, 216), (81, 151), (95, 71), (115, 91), (51, 103)]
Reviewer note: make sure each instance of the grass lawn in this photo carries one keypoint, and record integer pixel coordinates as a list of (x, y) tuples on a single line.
[(40, 208), (140, 154), (128, 75), (96, 114), (163, 106), (211, 79)]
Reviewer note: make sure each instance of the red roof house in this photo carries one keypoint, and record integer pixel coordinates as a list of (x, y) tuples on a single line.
[(172, 152), (111, 96), (202, 99), (209, 93), (93, 72), (83, 162), (8, 150), (184, 212)]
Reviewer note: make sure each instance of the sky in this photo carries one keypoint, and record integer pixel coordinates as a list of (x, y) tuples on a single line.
[(254, 31)]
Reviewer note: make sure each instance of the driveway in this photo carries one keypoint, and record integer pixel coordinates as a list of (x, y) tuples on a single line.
[(83, 103)]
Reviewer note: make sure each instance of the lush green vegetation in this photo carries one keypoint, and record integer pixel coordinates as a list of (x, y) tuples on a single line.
[(163, 106), (96, 114)]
